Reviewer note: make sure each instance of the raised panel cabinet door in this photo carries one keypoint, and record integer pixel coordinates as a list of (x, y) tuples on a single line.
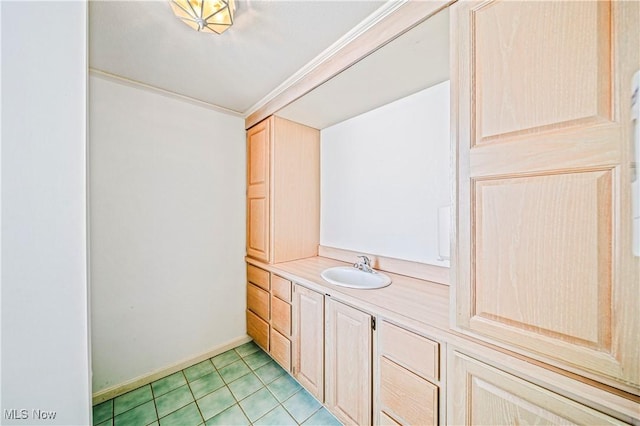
[(308, 308), (348, 363), (258, 181), (544, 261), (483, 395)]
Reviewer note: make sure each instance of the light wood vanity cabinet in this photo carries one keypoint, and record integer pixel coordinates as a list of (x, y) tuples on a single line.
[(333, 347), (544, 260), (280, 332), (258, 311), (269, 313), (408, 371), (283, 170)]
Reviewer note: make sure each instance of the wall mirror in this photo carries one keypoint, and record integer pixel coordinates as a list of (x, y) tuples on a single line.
[(385, 148)]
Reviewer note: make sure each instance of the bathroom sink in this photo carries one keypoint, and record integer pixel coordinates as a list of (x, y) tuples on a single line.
[(348, 276)]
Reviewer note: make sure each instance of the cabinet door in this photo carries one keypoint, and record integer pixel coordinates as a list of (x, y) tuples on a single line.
[(544, 255), (483, 395), (258, 181), (348, 363), (309, 340)]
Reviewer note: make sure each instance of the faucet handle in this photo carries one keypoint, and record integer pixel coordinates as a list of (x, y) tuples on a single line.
[(365, 260)]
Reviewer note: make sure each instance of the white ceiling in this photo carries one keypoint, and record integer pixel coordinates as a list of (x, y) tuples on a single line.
[(414, 61), (269, 42)]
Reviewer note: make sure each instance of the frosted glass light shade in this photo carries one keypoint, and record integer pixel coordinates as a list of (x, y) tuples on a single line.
[(213, 16)]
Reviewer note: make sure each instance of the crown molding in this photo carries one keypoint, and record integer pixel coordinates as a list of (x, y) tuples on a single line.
[(149, 88), (382, 12)]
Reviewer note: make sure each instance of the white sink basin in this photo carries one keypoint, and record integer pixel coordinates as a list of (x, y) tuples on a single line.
[(348, 276)]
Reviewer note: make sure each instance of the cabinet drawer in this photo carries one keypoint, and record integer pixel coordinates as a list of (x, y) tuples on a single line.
[(281, 288), (415, 352), (281, 349), (258, 276), (281, 316), (258, 301), (407, 397), (258, 330)]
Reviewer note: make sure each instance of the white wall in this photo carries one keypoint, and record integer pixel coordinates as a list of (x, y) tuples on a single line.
[(167, 227), (45, 349), (384, 174)]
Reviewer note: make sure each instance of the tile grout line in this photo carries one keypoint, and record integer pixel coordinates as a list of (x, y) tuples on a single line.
[(234, 397), (155, 407), (195, 401), (264, 384)]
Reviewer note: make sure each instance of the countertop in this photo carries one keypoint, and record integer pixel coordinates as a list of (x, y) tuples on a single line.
[(407, 300)]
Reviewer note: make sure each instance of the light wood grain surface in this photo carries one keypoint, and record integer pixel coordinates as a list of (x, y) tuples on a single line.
[(348, 363), (308, 333), (543, 263), (280, 349), (410, 298), (295, 191), (406, 396), (421, 271), (281, 288)]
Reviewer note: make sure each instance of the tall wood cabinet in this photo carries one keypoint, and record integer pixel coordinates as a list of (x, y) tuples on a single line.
[(283, 191), (541, 96)]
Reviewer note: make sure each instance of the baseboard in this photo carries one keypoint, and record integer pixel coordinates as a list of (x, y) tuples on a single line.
[(132, 384)]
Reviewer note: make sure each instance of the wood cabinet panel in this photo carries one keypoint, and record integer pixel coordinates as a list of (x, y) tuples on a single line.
[(572, 269), (258, 301), (348, 363), (407, 397), (411, 350), (258, 329), (281, 316), (283, 191), (565, 48), (296, 209), (280, 349), (544, 263), (258, 190), (484, 395), (281, 288), (258, 276), (309, 337), (385, 420)]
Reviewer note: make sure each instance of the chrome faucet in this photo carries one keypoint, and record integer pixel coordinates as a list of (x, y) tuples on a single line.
[(364, 264)]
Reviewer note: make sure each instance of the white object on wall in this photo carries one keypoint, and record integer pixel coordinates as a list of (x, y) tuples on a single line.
[(384, 174), (167, 223), (45, 337)]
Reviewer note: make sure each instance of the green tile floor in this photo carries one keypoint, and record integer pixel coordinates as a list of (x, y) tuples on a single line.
[(242, 386)]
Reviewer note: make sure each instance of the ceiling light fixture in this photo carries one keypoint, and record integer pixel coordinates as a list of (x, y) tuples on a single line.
[(212, 16)]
